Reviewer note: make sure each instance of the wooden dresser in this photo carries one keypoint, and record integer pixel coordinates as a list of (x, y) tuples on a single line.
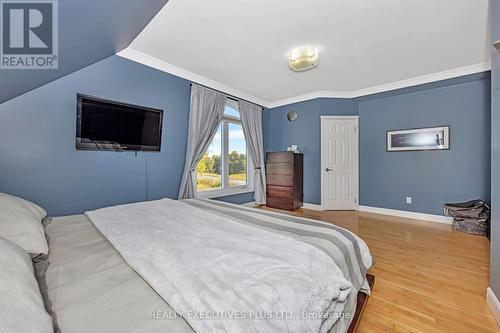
[(285, 178)]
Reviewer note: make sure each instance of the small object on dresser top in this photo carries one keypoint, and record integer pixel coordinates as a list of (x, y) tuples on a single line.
[(294, 148)]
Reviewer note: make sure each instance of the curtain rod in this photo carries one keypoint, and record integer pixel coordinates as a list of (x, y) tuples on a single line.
[(231, 97)]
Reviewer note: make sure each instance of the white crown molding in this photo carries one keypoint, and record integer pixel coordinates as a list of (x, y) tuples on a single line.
[(449, 74), (145, 59), (493, 303), (407, 214), (309, 96)]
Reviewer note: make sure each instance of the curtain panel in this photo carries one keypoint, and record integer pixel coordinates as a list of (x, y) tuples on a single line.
[(205, 115), (251, 120)]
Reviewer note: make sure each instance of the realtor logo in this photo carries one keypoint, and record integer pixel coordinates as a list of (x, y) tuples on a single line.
[(29, 35)]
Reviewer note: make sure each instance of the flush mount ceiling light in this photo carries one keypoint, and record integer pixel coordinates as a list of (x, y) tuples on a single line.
[(303, 58)]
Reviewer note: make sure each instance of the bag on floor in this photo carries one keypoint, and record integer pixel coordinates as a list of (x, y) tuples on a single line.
[(472, 217)]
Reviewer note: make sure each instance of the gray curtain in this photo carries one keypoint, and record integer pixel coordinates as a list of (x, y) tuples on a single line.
[(251, 119), (205, 115)]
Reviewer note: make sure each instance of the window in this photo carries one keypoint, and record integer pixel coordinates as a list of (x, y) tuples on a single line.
[(224, 169)]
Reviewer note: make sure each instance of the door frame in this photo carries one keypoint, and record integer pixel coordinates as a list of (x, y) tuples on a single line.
[(356, 145)]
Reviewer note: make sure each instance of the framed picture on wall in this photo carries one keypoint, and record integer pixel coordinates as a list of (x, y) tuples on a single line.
[(430, 138)]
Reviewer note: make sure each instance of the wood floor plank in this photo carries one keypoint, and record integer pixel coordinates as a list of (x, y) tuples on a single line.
[(430, 279)]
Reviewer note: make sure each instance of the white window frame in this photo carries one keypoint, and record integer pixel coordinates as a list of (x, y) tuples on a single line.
[(226, 190)]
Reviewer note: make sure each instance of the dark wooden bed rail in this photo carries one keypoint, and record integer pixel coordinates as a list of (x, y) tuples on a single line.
[(360, 305)]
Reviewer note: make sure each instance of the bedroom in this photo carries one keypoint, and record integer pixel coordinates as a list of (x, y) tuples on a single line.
[(243, 100)]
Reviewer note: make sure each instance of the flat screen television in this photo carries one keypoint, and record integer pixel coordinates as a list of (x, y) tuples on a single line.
[(108, 125)]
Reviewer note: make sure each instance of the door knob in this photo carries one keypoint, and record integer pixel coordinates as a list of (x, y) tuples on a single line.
[(328, 169)]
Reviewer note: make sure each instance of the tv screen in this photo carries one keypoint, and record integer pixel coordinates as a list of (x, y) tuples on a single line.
[(108, 125)]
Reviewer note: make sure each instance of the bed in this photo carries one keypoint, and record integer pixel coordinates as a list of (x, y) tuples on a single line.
[(95, 286)]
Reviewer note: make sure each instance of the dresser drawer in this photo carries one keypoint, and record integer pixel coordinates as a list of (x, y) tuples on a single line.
[(280, 168), (280, 157), (279, 203), (279, 180), (281, 191)]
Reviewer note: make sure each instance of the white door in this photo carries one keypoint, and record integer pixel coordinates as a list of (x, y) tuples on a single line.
[(339, 162)]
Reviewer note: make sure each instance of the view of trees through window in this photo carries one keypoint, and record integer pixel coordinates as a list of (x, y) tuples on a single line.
[(237, 159), (227, 151), (209, 171)]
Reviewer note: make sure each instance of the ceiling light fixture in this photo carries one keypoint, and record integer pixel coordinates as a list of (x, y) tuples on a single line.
[(303, 58)]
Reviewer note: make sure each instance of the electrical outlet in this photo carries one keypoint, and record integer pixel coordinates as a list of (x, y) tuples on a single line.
[(408, 200)]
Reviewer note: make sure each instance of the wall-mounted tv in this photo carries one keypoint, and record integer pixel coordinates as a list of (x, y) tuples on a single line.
[(109, 125)]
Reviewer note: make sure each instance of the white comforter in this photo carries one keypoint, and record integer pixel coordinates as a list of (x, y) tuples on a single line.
[(222, 275)]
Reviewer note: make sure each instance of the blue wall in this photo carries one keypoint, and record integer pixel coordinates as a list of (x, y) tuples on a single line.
[(37, 134), (40, 161), (431, 178), (89, 31), (495, 153), (279, 133)]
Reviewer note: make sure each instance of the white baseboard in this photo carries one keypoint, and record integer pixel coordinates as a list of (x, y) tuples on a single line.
[(306, 205), (384, 211), (393, 212), (493, 303), (311, 206), (407, 214)]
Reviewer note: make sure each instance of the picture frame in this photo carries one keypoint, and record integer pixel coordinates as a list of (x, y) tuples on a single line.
[(418, 139)]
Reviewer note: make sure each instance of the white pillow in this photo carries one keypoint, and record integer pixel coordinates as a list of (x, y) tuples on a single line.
[(21, 223), (21, 305)]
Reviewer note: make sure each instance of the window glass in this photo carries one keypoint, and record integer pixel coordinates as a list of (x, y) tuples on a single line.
[(224, 165), (229, 111), (209, 171), (237, 156)]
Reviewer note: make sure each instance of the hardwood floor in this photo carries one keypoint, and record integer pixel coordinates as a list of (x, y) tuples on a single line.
[(428, 277)]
